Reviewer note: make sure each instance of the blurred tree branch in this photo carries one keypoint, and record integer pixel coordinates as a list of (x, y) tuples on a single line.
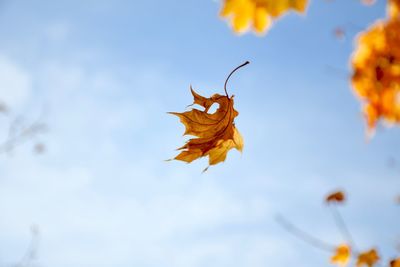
[(21, 131)]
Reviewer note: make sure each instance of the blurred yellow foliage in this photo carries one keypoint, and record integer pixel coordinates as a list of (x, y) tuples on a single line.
[(258, 14), (342, 255), (376, 71), (395, 263), (368, 258), (394, 9)]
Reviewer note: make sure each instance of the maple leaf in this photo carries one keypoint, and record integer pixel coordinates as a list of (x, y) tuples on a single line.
[(342, 255), (376, 71), (258, 13), (336, 197), (395, 263), (368, 258), (216, 133)]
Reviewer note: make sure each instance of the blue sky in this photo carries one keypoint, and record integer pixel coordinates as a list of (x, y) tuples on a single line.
[(103, 74)]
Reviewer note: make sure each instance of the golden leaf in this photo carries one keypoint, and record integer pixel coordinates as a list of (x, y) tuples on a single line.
[(395, 263), (376, 72), (342, 255), (337, 197), (368, 258), (258, 14), (216, 133)]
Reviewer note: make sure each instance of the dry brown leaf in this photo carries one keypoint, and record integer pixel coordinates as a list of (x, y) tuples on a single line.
[(216, 133), (336, 197), (342, 255), (368, 258)]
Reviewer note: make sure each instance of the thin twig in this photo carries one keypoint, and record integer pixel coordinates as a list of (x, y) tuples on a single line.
[(18, 137), (31, 252), (343, 227), (19, 131), (306, 237)]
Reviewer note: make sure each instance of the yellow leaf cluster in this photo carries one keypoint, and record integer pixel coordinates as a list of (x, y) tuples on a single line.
[(341, 256), (258, 14), (368, 258), (216, 133), (376, 70)]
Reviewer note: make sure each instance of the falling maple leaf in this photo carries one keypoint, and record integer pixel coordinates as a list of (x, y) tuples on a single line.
[(335, 197), (258, 14), (395, 263), (216, 133), (368, 258), (376, 71), (342, 255)]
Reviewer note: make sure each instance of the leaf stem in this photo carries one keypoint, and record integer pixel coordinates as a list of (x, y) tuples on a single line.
[(339, 221), (227, 79), (306, 237)]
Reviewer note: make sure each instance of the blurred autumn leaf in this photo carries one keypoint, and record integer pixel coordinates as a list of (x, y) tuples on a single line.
[(3, 108), (258, 14), (394, 9), (376, 69), (216, 132), (335, 197), (339, 33), (368, 258), (341, 256), (39, 148), (395, 263), (368, 2), (343, 252)]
